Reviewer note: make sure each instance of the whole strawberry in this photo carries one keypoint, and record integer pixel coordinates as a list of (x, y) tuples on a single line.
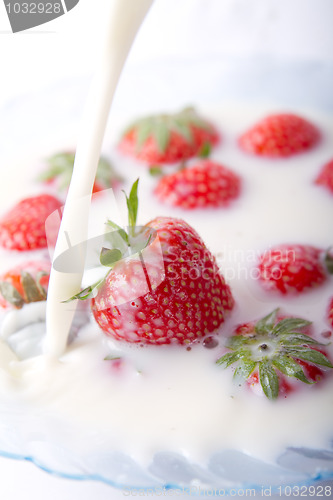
[(270, 353), (292, 268), (170, 291), (206, 184), (23, 227), (60, 168), (26, 282), (279, 136), (167, 138), (325, 177)]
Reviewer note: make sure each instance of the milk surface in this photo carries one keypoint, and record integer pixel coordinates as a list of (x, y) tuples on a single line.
[(167, 398)]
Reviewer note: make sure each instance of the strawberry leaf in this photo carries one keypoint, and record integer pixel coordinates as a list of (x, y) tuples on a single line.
[(162, 136), (144, 130), (59, 164), (289, 324), (161, 126), (266, 324), (86, 293), (109, 256), (31, 290), (297, 339), (184, 130), (39, 276), (289, 367), (106, 174), (269, 380), (328, 260), (205, 150), (122, 233), (312, 356), (155, 171), (60, 167), (237, 341), (244, 370), (11, 295), (228, 359), (132, 204)]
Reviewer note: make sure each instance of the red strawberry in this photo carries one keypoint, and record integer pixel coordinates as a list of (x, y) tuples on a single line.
[(60, 169), (206, 184), (280, 135), (23, 227), (169, 292), (325, 177), (285, 387), (330, 312), (270, 353), (24, 283), (291, 268), (169, 138)]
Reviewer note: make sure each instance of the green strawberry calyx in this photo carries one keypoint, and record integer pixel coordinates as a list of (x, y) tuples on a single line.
[(328, 260), (161, 126), (32, 288), (120, 243), (275, 346), (60, 167)]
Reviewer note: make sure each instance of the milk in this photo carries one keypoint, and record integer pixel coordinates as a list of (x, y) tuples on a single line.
[(125, 19), (165, 398)]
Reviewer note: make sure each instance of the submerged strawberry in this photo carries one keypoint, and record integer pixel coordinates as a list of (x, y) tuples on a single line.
[(169, 290), (330, 312), (272, 352), (280, 135), (60, 168), (292, 268), (23, 227), (24, 283), (167, 138), (325, 176), (206, 184)]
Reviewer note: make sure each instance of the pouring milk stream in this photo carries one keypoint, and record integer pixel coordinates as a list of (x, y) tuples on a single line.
[(125, 19)]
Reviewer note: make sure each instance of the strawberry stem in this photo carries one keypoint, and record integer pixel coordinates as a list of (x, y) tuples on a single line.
[(135, 242)]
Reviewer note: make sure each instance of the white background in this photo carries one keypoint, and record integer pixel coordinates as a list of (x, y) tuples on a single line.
[(181, 30), (175, 29)]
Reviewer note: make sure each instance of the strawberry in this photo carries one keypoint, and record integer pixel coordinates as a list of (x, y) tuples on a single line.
[(206, 184), (169, 290), (165, 138), (23, 227), (60, 169), (279, 136), (330, 312), (291, 268), (272, 352), (325, 176), (24, 283)]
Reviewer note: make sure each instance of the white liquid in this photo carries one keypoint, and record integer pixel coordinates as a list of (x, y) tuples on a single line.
[(126, 17), (171, 399)]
